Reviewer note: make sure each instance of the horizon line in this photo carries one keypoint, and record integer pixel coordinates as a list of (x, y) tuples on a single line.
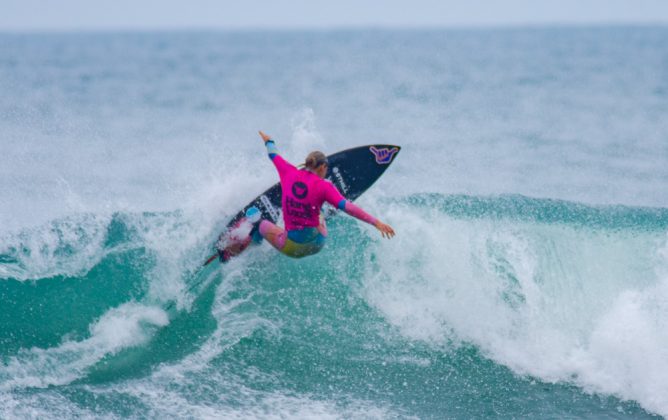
[(331, 28)]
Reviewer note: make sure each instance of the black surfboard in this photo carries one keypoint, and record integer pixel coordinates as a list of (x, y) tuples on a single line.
[(352, 171)]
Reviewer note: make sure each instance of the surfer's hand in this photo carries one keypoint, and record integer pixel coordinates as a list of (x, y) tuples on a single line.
[(385, 230), (265, 137)]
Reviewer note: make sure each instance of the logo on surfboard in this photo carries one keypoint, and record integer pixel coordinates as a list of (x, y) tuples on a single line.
[(342, 184), (266, 202), (384, 155)]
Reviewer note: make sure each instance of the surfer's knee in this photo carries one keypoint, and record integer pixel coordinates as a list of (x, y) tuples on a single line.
[(275, 235), (265, 226)]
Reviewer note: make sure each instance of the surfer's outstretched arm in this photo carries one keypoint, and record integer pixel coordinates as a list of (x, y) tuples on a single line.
[(357, 212), (281, 164), (272, 150), (334, 197)]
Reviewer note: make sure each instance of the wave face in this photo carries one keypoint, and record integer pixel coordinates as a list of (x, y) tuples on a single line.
[(479, 297), (528, 277)]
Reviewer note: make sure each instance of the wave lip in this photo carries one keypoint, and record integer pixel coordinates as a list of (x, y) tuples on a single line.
[(545, 211), (120, 328), (561, 291), (64, 246)]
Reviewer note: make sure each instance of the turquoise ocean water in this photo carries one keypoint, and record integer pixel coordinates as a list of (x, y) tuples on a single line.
[(528, 277)]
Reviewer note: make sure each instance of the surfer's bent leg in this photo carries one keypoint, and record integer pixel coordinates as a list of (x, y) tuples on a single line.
[(274, 234)]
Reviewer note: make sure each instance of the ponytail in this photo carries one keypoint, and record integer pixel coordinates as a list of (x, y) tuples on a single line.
[(315, 159)]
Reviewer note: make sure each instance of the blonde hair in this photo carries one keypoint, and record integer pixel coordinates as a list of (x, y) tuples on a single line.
[(315, 159)]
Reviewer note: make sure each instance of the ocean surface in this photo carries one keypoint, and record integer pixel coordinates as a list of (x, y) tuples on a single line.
[(528, 277)]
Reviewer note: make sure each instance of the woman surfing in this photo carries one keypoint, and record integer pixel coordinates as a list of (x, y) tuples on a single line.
[(303, 193)]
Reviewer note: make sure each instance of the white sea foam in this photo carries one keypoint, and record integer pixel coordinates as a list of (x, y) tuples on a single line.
[(45, 405), (559, 303), (68, 246), (305, 135)]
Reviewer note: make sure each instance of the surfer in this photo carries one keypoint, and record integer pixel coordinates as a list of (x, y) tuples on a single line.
[(303, 193)]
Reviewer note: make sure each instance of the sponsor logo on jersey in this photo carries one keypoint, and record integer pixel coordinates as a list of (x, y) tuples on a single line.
[(299, 190)]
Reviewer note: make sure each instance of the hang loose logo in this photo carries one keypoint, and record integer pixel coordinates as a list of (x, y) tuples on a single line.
[(383, 156)]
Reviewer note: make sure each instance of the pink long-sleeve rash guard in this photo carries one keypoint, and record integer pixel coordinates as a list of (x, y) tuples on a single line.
[(304, 193)]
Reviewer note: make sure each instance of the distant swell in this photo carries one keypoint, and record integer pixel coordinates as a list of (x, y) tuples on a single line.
[(545, 211)]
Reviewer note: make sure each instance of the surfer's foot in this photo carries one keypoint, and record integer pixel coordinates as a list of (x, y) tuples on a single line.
[(254, 216)]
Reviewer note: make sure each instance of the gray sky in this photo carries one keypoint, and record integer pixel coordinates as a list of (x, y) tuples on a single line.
[(68, 15)]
